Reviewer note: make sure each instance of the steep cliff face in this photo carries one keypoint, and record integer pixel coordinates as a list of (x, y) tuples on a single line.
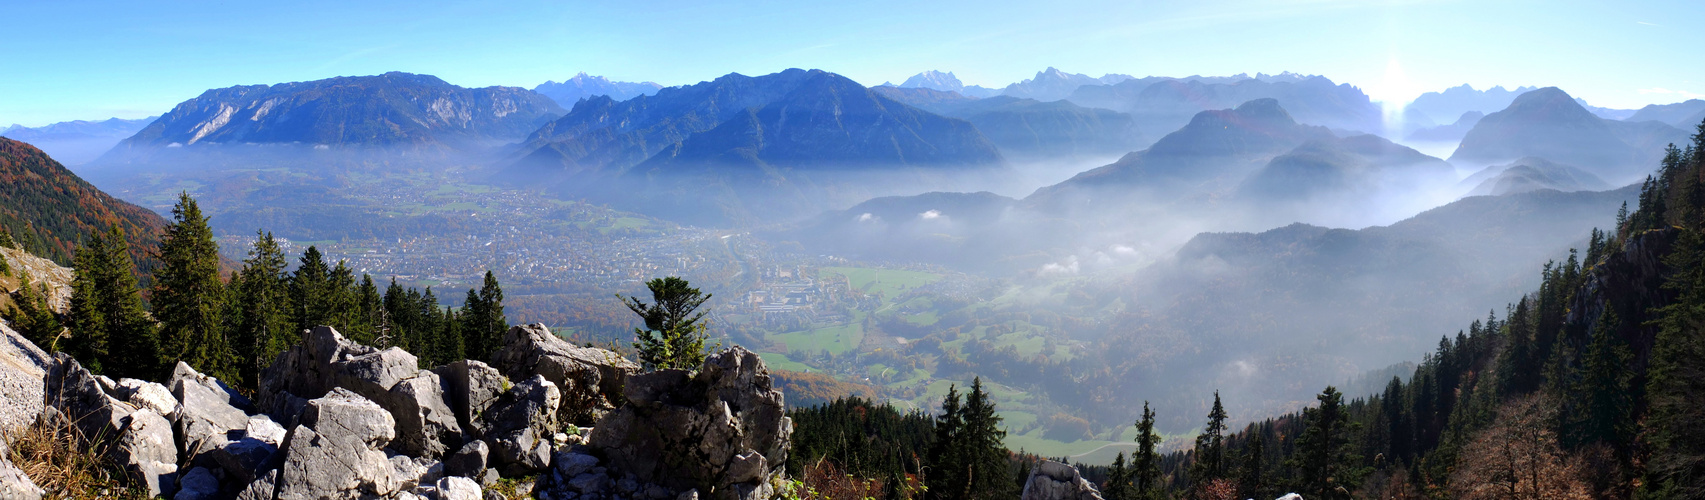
[(393, 109)]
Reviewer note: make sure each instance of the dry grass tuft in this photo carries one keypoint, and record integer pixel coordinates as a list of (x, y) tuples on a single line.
[(52, 453)]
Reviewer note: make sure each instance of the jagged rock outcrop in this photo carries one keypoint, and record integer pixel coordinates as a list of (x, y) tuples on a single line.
[(391, 378), (140, 441), (1052, 480), (335, 451), (722, 431), (590, 379), (22, 368)]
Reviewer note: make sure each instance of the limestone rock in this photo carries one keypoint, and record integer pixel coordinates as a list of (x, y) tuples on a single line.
[(345, 414), (471, 388), (425, 424), (198, 484), (262, 488), (458, 488), (1052, 480), (570, 464), (145, 394), (22, 369), (469, 461), (205, 416), (265, 430), (589, 378), (147, 451), (325, 360), (335, 452), (520, 423), (415, 472), (78, 395), (704, 431)]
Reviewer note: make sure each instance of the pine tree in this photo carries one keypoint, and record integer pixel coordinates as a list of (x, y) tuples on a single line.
[(1605, 384), (673, 336), (1118, 484), (263, 325), (370, 312), (309, 298), (188, 295), (1252, 480), (31, 316), (1323, 467), (111, 332), (947, 475), (1145, 463), (483, 321), (1210, 447), (986, 457)]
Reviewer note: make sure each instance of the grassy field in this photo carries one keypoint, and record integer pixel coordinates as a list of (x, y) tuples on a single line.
[(888, 283), (835, 339), (777, 361)]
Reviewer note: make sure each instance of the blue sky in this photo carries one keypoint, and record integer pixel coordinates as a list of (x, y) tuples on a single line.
[(91, 59)]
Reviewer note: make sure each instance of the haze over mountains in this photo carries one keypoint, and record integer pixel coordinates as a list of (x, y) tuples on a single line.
[(77, 142), (1550, 124)]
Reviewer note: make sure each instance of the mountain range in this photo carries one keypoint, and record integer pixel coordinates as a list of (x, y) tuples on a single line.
[(1448, 133), (791, 141), (582, 86), (393, 109), (1052, 84), (1431, 108), (1685, 115), (50, 211), (1027, 129), (77, 142), (1161, 105), (1532, 174), (1548, 123)]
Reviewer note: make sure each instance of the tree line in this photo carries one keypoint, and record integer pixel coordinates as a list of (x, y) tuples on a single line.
[(231, 326)]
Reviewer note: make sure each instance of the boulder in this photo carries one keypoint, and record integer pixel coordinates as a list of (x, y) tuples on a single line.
[(265, 430), (1051, 480), (80, 398), (425, 425), (722, 429), (519, 425), (458, 488), (198, 484), (345, 414), (325, 360), (469, 461), (262, 488), (23, 366), (147, 452), (335, 452), (145, 394), (471, 388), (206, 419), (415, 472), (590, 379)]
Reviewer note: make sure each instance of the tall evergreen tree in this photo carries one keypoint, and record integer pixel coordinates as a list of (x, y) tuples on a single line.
[(1145, 463), (1324, 469), (1210, 447), (310, 298), (370, 312), (1252, 477), (673, 336), (264, 325), (990, 476), (189, 297), (111, 332), (1605, 384), (1118, 483), (483, 322), (947, 475)]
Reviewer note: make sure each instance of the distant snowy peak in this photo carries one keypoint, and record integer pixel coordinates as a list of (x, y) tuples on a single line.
[(946, 82), (582, 86)]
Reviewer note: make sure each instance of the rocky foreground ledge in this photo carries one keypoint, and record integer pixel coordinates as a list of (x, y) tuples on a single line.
[(336, 419)]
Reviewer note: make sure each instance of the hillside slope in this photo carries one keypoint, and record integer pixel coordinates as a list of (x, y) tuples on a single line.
[(50, 211)]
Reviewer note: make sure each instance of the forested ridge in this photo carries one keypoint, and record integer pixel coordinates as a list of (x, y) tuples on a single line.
[(48, 210)]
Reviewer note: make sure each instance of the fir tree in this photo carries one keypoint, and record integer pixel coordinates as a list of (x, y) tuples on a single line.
[(947, 474), (673, 336), (1252, 478), (1324, 470), (309, 286), (111, 332), (1145, 463), (986, 457), (188, 295), (262, 327), (1605, 386), (483, 321), (1210, 447), (1118, 483)]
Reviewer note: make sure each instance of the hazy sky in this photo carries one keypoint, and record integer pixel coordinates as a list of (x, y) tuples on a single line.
[(91, 59)]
